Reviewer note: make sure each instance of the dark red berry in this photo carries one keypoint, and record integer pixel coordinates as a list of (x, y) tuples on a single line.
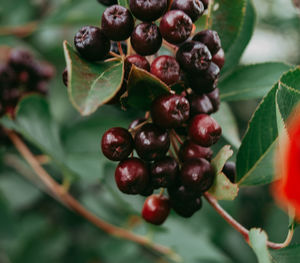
[(206, 81), (151, 142), (229, 170), (148, 190), (136, 123), (44, 70), (214, 97), (204, 130), (164, 172), (148, 10), (138, 61), (210, 38), (132, 176), (117, 144), (170, 111), (146, 39), (117, 23), (205, 3), (166, 68), (200, 104), (176, 26), (197, 175), (193, 57), (21, 60), (91, 43), (65, 77), (193, 8), (156, 209), (7, 77), (192, 151), (219, 58), (108, 2)]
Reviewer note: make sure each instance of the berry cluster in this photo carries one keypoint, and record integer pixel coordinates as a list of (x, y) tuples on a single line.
[(185, 170), (21, 73)]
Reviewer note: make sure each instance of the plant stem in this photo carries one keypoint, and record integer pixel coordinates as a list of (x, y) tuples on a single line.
[(176, 136), (208, 17), (69, 201), (241, 229), (120, 49)]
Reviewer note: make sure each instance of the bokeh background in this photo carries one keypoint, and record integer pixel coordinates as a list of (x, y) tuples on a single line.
[(36, 228)]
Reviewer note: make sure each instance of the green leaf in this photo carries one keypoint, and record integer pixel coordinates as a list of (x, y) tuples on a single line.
[(91, 85), (227, 18), (289, 254), (251, 81), (123, 3), (143, 88), (222, 188), (227, 121), (236, 50), (258, 241)]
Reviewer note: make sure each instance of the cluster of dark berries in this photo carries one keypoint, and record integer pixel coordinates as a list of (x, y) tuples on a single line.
[(172, 142), (21, 73)]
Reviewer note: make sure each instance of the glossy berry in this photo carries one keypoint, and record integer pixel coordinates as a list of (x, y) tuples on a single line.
[(138, 61), (200, 104), (156, 209), (214, 97), (146, 39), (170, 111), (175, 26), (205, 3), (164, 172), (108, 2), (197, 175), (117, 23), (219, 58), (204, 130), (166, 68), (132, 176), (210, 38), (65, 77), (151, 142), (148, 10), (193, 8), (229, 170), (206, 81), (193, 57), (192, 151), (136, 123), (117, 144), (91, 43)]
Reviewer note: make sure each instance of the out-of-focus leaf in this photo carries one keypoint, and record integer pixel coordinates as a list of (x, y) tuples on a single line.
[(258, 241), (289, 254)]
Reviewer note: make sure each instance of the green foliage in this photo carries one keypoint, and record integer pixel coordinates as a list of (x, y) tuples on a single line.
[(258, 241)]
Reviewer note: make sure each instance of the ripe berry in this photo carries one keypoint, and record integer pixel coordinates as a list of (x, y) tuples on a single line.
[(197, 175), (214, 97), (138, 61), (192, 151), (117, 144), (200, 104), (146, 39), (229, 170), (92, 43), (7, 77), (20, 60), (166, 68), (206, 81), (219, 58), (164, 172), (170, 111), (148, 190), (193, 57), (65, 77), (132, 176), (108, 2), (149, 10), (193, 8), (210, 38), (117, 23), (151, 142), (204, 130), (135, 123), (176, 26), (156, 209)]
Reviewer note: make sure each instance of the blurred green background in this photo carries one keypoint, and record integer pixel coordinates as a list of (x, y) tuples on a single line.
[(36, 228)]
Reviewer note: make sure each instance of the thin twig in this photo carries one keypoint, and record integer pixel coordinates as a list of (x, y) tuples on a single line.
[(177, 136), (20, 31), (58, 191), (120, 49), (208, 16), (241, 229)]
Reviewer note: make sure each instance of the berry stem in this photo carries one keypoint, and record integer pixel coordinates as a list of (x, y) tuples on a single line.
[(114, 55), (176, 136), (58, 192), (241, 229), (208, 22), (174, 144), (138, 126), (120, 49)]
